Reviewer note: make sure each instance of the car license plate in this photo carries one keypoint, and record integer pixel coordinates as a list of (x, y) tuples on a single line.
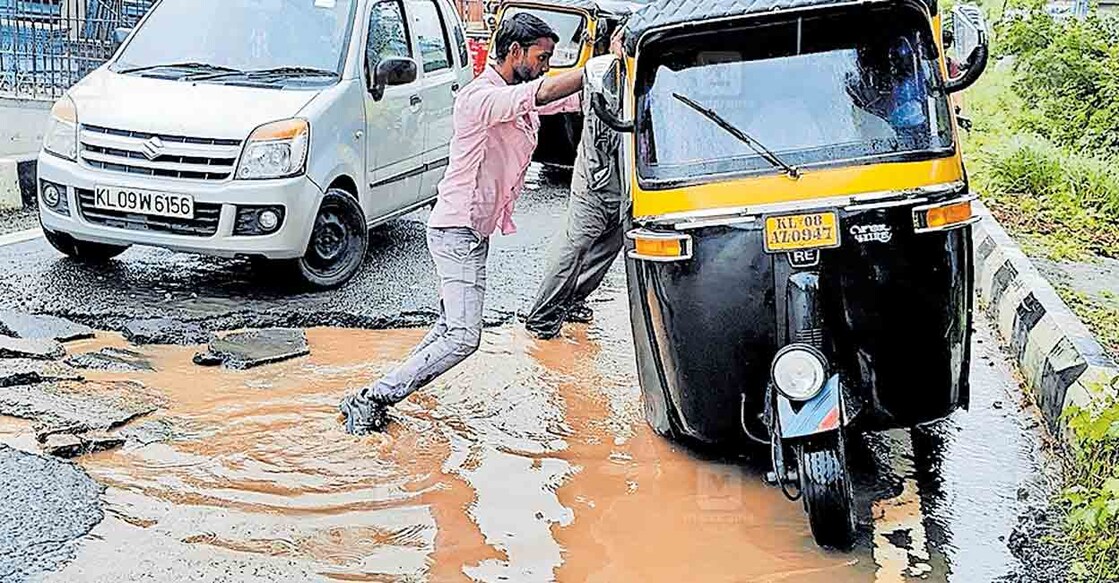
[(163, 204), (804, 231)]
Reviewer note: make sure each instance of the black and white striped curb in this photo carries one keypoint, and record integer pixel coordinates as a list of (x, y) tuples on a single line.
[(1060, 360)]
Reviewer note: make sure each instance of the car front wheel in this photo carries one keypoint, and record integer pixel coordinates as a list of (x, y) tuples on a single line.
[(339, 239)]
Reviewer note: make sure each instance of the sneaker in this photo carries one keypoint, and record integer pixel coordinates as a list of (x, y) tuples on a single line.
[(580, 314), (364, 416)]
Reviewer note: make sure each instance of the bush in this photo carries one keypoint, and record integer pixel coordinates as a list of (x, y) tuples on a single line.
[(1068, 73), (1092, 496)]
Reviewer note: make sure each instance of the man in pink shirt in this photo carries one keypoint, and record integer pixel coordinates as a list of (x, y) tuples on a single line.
[(496, 119)]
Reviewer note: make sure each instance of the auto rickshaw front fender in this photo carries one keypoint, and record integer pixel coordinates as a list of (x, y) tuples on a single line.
[(820, 414)]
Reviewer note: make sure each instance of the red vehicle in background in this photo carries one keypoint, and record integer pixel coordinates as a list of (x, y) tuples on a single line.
[(478, 18), (478, 42)]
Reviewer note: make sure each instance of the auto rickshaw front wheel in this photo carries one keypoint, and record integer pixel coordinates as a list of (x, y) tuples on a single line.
[(826, 487)]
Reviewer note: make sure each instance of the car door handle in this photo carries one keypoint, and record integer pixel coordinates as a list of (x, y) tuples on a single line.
[(454, 87), (416, 100)]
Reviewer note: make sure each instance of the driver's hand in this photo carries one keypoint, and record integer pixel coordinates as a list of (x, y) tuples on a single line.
[(617, 47)]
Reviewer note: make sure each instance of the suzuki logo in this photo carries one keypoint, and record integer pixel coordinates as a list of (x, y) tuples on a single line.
[(153, 148)]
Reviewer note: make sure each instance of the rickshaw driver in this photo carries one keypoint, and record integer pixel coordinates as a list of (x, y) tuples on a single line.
[(496, 119)]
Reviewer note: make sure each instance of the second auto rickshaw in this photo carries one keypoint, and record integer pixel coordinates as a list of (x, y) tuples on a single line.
[(799, 244)]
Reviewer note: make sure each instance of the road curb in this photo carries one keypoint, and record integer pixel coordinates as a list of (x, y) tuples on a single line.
[(17, 181), (1060, 360)]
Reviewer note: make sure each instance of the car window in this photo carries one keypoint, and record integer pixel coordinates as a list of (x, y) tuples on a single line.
[(388, 33), (460, 42), (431, 36)]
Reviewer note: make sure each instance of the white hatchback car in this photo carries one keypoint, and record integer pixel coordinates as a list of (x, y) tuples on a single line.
[(279, 130)]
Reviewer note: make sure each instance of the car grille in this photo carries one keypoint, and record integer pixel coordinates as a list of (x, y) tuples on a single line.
[(160, 155), (204, 223)]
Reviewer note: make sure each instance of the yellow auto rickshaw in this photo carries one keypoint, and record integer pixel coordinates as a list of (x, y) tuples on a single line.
[(585, 28), (799, 253)]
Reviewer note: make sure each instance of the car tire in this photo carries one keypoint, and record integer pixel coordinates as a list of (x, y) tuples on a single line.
[(339, 239), (84, 251)]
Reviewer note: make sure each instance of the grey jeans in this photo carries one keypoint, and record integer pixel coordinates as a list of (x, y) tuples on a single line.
[(460, 259), (581, 258)]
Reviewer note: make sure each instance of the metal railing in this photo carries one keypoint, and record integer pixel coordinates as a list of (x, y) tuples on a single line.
[(48, 45)]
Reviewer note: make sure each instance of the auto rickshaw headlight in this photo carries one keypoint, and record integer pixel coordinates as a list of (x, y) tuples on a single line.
[(799, 372)]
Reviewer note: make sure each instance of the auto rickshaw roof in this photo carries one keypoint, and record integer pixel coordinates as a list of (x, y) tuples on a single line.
[(618, 7), (662, 13)]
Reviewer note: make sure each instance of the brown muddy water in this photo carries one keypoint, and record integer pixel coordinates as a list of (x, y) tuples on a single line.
[(530, 462)]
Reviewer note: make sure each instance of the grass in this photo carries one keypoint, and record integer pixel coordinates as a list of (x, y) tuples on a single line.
[(1068, 200)]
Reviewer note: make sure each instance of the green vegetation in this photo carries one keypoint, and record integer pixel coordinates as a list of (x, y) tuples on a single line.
[(1043, 154), (1092, 497)]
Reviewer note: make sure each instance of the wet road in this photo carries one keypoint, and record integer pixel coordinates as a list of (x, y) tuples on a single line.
[(531, 462)]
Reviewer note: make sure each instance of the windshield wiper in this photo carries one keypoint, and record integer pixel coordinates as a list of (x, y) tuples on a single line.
[(271, 72), (792, 171), (188, 65)]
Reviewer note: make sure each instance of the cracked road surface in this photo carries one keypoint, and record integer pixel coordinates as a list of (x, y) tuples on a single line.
[(530, 462)]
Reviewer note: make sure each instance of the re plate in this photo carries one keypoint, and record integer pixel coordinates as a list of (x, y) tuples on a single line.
[(803, 231)]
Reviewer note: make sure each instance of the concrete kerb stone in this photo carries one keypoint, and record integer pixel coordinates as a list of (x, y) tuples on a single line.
[(18, 177), (11, 197), (1061, 361)]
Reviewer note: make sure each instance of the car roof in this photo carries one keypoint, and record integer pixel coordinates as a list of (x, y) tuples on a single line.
[(662, 13)]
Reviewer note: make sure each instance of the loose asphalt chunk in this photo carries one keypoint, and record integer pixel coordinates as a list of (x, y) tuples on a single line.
[(30, 326), (35, 348), (47, 506), (23, 371), (112, 360), (78, 408), (68, 445), (165, 331), (250, 348)]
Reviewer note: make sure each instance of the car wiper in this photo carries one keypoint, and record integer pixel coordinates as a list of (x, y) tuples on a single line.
[(196, 66), (792, 171), (271, 72)]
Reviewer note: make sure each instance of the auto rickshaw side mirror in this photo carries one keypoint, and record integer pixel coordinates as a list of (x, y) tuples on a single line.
[(969, 37), (602, 79)]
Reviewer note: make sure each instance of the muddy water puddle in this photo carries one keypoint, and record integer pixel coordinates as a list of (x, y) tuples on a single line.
[(530, 462)]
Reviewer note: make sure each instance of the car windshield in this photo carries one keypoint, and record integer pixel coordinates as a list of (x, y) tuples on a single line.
[(823, 90), (290, 39), (567, 25)]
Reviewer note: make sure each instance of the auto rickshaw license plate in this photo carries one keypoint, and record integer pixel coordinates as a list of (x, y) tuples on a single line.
[(805, 231)]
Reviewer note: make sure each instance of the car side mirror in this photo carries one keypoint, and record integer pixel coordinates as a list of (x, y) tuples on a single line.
[(602, 78), (392, 71), (970, 48)]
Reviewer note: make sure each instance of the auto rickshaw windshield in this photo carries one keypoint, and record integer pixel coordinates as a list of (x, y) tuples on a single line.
[(569, 26), (816, 90)]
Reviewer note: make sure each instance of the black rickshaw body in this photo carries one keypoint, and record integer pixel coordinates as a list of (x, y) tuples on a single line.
[(890, 294)]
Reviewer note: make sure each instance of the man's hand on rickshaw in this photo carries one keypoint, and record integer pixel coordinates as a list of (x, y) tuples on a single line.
[(617, 47)]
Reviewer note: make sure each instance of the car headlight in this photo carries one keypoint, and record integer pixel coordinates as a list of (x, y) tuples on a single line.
[(799, 372), (275, 150), (61, 135)]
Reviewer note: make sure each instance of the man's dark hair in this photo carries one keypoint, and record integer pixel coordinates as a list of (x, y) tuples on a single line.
[(523, 29)]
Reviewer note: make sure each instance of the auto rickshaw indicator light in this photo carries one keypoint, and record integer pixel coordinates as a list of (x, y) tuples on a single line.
[(944, 216), (658, 246)]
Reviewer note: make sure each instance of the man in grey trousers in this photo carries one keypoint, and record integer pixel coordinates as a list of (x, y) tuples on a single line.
[(592, 237), (496, 120)]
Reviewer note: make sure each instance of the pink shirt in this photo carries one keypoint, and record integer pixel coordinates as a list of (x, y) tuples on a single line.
[(495, 134)]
